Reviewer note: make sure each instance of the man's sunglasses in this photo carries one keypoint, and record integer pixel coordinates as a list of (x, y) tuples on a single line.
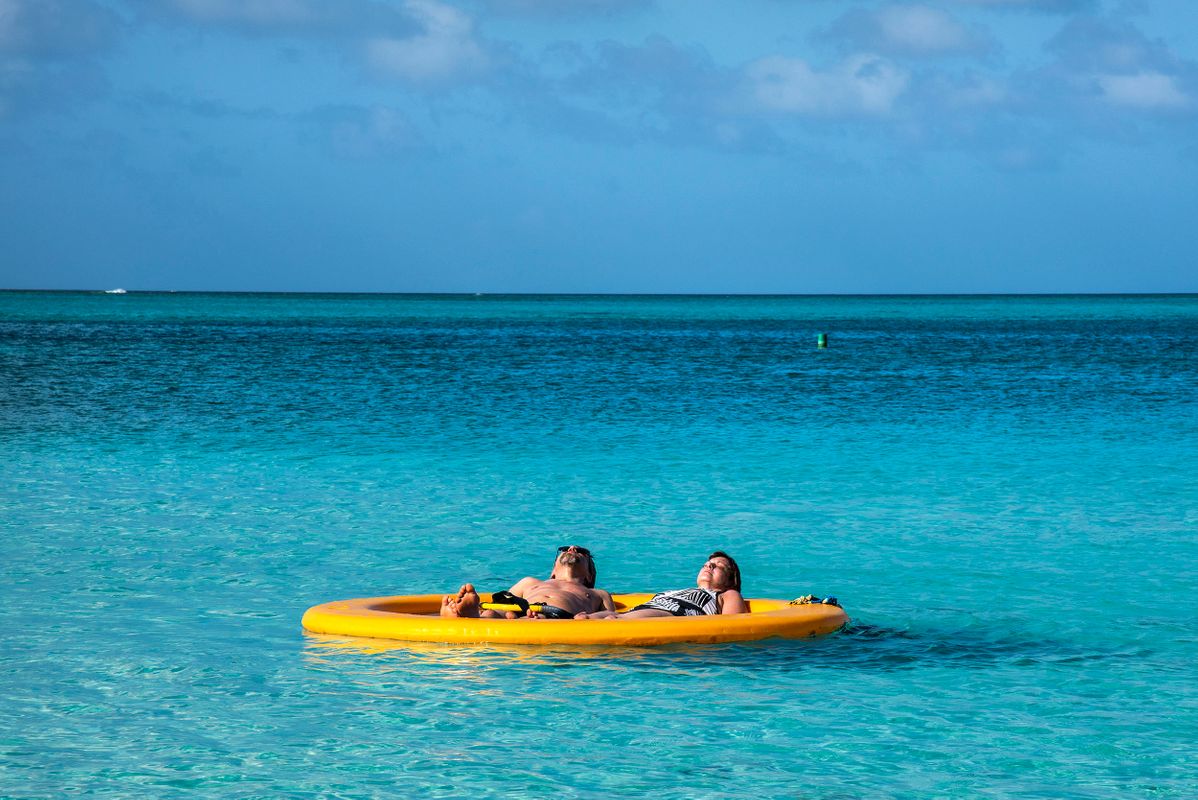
[(581, 550)]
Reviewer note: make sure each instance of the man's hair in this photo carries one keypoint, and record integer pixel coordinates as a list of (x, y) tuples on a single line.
[(589, 581), (735, 569)]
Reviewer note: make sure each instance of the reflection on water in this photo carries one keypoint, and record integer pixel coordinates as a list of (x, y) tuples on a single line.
[(858, 647), (334, 651)]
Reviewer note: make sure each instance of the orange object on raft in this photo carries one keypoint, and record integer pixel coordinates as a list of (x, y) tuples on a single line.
[(416, 618)]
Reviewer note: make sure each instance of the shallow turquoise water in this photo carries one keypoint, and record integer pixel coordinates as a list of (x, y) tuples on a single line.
[(1000, 490)]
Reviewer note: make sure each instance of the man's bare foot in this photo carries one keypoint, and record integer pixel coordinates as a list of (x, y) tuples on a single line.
[(595, 615), (463, 604)]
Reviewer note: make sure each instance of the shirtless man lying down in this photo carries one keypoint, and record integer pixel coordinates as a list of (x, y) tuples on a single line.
[(569, 590)]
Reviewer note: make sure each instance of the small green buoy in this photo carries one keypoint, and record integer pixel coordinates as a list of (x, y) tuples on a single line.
[(821, 341)]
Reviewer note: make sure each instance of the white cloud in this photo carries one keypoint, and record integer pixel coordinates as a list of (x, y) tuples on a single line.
[(1050, 6), (320, 19), (860, 85), (923, 29), (909, 30), (372, 133), (1110, 64), (445, 50), (564, 8), (979, 93), (1144, 90)]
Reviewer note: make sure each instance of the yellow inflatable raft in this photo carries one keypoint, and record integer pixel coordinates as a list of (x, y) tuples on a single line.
[(415, 618)]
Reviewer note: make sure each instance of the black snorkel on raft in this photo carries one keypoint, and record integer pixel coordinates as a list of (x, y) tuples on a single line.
[(506, 601)]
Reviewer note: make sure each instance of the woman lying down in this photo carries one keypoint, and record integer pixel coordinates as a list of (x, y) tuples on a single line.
[(717, 591)]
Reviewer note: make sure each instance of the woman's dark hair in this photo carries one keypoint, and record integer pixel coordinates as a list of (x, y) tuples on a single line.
[(732, 562)]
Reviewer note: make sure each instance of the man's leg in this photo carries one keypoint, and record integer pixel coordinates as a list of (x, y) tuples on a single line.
[(463, 604)]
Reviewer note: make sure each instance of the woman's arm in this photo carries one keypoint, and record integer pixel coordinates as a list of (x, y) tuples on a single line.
[(732, 603)]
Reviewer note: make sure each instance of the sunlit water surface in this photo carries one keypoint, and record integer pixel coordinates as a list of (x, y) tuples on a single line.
[(1003, 492)]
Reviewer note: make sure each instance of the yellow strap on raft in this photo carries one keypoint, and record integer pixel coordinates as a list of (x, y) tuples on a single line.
[(510, 606)]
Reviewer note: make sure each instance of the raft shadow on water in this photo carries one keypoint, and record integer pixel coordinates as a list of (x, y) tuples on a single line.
[(877, 648)]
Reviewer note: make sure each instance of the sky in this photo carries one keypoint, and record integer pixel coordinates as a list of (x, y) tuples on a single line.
[(609, 146)]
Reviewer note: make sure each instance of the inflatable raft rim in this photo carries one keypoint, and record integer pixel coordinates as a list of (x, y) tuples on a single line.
[(416, 618)]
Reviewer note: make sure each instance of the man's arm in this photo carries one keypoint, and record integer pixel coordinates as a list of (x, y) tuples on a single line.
[(608, 603), (523, 585)]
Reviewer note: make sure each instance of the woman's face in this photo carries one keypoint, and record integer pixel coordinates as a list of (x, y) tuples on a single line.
[(716, 574)]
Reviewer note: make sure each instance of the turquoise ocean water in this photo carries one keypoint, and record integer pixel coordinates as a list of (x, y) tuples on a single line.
[(1002, 491)]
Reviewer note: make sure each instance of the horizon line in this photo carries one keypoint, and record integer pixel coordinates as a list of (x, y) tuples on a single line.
[(464, 294)]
